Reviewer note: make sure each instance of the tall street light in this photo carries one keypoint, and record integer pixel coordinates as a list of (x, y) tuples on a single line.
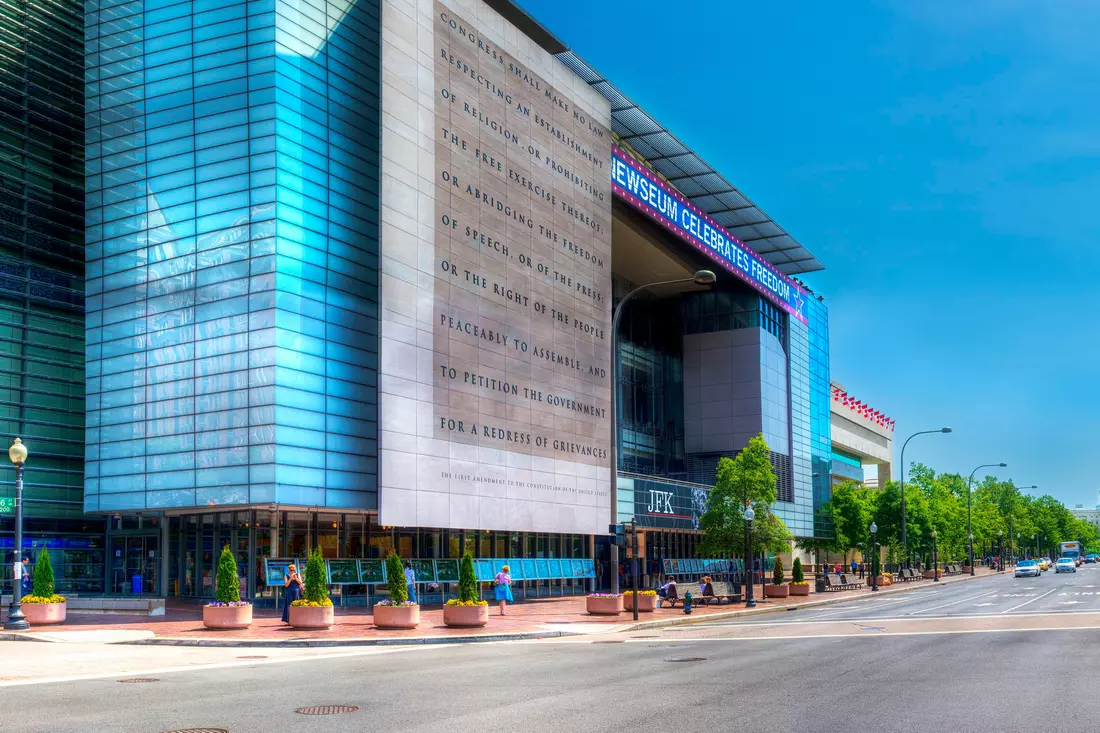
[(1001, 547), (16, 621), (701, 277), (970, 529), (750, 602), (904, 541), (874, 558)]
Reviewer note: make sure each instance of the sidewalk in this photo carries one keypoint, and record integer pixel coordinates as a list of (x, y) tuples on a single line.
[(182, 622)]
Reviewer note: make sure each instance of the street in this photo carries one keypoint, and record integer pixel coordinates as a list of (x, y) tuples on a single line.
[(952, 657)]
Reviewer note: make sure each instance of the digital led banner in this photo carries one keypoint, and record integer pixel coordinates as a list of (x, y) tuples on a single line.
[(668, 207)]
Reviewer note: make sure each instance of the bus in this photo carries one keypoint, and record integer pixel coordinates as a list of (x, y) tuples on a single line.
[(1071, 550)]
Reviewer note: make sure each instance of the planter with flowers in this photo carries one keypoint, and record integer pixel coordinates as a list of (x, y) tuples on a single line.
[(605, 604), (397, 611), (468, 610), (43, 607), (777, 588), (314, 609), (798, 586), (647, 600), (227, 611)]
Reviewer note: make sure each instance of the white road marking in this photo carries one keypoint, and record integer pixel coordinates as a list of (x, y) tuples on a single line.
[(875, 635), (979, 605), (1066, 603), (945, 605), (1030, 600)]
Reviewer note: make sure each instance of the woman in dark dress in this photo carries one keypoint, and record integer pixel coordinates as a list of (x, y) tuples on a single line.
[(293, 585)]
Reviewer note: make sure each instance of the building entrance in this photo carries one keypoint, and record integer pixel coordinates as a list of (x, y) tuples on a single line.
[(135, 564)]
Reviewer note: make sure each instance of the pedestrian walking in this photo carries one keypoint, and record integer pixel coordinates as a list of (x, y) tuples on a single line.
[(854, 565), (410, 580), (503, 587), (861, 569), (293, 584), (26, 584), (826, 567)]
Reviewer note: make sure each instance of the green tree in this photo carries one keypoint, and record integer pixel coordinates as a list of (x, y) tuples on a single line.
[(467, 580), (228, 589), (852, 507), (796, 571), (43, 575), (745, 480), (778, 576), (316, 589), (395, 578)]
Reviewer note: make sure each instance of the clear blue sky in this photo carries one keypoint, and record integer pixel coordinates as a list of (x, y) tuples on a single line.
[(942, 159)]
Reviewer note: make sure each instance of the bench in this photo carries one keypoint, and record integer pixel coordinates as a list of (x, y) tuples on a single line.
[(841, 582), (718, 590), (676, 596)]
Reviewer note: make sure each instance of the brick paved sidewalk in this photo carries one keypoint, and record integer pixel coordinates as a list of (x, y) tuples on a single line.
[(183, 621)]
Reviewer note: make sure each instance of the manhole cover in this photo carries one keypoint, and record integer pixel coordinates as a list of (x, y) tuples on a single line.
[(327, 709), (198, 730), (253, 656), (137, 680), (685, 659)]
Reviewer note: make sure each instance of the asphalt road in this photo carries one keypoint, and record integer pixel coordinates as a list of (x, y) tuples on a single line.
[(1050, 593), (898, 683)]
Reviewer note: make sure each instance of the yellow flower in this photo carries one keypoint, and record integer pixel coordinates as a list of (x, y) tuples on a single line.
[(312, 604), (641, 592), (457, 602), (42, 599)]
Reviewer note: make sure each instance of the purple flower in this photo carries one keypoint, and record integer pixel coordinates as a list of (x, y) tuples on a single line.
[(605, 595), (231, 604), (395, 603)]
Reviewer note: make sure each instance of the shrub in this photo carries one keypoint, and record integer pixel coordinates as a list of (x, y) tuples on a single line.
[(229, 585), (43, 575), (777, 571), (467, 580), (796, 571), (395, 579), (316, 592)]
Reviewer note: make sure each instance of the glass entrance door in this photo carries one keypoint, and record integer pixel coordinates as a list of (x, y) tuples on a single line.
[(135, 563)]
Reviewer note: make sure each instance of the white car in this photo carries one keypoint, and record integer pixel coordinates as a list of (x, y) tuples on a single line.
[(1028, 569), (1065, 565)]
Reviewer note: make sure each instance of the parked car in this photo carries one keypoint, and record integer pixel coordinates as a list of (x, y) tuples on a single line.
[(1065, 565), (1027, 569)]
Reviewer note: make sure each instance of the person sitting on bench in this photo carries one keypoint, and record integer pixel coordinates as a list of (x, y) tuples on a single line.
[(663, 590)]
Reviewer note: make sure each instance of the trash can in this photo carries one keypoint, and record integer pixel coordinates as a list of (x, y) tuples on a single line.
[(135, 584)]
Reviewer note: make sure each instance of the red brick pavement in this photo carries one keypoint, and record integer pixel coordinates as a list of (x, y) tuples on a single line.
[(183, 620)]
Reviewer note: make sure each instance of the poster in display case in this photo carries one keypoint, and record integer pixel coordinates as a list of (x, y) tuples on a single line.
[(424, 569), (372, 572), (342, 571), (446, 571)]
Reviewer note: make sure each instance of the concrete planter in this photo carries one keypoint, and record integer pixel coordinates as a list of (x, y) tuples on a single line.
[(799, 590), (645, 603), (929, 574), (312, 617), (227, 617), (882, 580), (604, 605), (44, 614), (403, 617), (771, 590), (967, 569), (462, 616)]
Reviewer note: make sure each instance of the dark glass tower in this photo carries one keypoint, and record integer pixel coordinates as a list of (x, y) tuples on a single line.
[(42, 282)]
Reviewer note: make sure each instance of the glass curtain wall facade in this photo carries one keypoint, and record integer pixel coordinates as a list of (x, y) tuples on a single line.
[(232, 253), (42, 286)]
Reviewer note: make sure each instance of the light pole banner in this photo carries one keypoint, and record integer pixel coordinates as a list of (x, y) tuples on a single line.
[(659, 201)]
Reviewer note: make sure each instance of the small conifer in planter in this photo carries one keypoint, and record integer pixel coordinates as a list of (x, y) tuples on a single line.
[(798, 586), (778, 588), (43, 606), (227, 610), (397, 611), (468, 609)]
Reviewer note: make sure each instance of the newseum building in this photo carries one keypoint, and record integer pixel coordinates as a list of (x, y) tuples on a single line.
[(351, 270)]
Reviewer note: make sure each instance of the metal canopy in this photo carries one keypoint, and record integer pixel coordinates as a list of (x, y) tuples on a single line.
[(704, 186)]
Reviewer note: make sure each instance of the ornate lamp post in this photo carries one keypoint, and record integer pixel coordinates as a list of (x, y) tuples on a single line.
[(16, 621), (874, 558), (750, 602), (935, 560), (1001, 549)]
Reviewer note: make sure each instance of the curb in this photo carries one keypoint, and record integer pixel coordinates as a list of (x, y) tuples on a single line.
[(305, 643), (743, 613)]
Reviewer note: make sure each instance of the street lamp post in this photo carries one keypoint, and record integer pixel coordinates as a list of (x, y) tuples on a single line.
[(874, 558), (970, 529), (904, 540), (16, 621), (1001, 548), (1035, 544), (701, 277), (935, 560), (750, 602)]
